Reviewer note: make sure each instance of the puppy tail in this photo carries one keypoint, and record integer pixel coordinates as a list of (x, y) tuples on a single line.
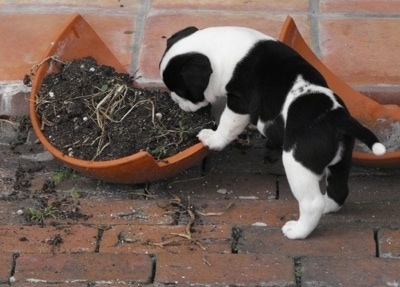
[(352, 127)]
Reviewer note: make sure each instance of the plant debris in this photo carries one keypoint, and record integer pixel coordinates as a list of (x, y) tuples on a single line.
[(191, 211), (91, 112)]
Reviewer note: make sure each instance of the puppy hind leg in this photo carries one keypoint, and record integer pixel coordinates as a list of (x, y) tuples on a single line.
[(337, 189), (305, 187), (330, 205)]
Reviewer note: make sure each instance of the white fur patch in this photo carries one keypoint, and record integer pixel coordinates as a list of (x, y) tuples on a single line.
[(378, 149), (330, 205), (262, 126), (338, 156), (187, 105)]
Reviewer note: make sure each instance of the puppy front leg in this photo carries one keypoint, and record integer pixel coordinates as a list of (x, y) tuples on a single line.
[(230, 126)]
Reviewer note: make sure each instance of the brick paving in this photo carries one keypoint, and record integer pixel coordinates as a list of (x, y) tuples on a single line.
[(103, 234)]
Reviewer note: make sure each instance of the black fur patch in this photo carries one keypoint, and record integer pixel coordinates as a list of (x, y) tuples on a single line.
[(264, 77), (188, 76)]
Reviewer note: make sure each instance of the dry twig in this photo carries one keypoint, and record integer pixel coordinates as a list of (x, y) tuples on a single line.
[(37, 66), (192, 216)]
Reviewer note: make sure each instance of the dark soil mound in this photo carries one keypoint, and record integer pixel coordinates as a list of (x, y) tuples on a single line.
[(92, 112)]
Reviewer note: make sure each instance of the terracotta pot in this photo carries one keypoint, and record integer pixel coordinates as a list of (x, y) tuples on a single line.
[(76, 40), (376, 116)]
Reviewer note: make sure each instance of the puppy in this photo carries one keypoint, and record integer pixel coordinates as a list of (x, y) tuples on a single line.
[(268, 84)]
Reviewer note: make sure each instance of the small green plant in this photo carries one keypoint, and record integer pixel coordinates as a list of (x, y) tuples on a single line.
[(40, 215), (35, 215), (63, 175), (75, 194), (159, 152)]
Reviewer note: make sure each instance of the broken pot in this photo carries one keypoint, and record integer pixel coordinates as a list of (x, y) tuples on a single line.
[(76, 40)]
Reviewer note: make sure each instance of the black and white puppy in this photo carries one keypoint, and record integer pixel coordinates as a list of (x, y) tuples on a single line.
[(268, 84)]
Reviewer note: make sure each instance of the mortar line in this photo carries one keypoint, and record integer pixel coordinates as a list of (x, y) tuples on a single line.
[(99, 237), (377, 87), (236, 233), (145, 7), (153, 258), (63, 9), (297, 270), (366, 15), (314, 23), (40, 9), (13, 267), (376, 240), (277, 185)]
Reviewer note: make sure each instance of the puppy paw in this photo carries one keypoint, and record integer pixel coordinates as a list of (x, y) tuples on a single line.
[(212, 140), (295, 230)]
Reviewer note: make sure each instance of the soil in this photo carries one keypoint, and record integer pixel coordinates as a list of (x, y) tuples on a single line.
[(91, 112)]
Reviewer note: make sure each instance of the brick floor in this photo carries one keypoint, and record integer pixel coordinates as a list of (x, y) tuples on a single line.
[(114, 234), (221, 270), (351, 66), (389, 243), (321, 271), (84, 267), (31, 239), (5, 266), (273, 6), (360, 6), (329, 242)]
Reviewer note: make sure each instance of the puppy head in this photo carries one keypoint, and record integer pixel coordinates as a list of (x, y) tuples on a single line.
[(187, 77), (185, 73)]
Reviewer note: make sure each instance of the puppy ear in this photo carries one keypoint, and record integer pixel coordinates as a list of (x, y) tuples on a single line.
[(196, 73), (180, 35)]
